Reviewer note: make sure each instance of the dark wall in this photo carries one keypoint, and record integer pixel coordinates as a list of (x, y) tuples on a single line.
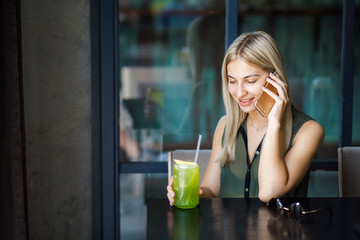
[(57, 96)]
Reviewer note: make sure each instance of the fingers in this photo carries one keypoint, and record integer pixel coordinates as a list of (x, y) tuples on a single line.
[(200, 191), (280, 86), (277, 79), (171, 196), (171, 181), (272, 94), (281, 100), (170, 192)]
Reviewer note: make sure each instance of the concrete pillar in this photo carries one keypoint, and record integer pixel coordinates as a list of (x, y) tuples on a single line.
[(57, 96)]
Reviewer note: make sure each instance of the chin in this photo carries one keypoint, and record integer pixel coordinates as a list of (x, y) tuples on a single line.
[(248, 109)]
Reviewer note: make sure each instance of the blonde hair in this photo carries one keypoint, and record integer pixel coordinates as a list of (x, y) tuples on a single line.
[(260, 49)]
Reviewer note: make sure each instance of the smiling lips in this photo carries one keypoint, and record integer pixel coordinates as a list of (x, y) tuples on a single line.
[(245, 102)]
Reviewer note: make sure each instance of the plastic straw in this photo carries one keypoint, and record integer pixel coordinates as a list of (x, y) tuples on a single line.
[(197, 148)]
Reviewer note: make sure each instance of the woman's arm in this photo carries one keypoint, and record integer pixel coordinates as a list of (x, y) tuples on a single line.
[(278, 175), (210, 184)]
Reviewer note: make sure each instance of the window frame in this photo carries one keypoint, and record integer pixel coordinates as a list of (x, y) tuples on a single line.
[(105, 115), (105, 108)]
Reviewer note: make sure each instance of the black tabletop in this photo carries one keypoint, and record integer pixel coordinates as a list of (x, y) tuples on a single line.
[(251, 219)]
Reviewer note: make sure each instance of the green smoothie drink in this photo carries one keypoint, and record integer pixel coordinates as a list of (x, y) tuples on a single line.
[(186, 184)]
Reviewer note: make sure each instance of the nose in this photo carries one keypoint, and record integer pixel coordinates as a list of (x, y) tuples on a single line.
[(240, 90)]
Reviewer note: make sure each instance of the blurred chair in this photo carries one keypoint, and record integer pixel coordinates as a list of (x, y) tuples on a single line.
[(349, 174), (203, 159)]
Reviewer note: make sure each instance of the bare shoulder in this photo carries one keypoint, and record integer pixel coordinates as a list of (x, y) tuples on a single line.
[(312, 126), (310, 130), (218, 135), (222, 121), (220, 126)]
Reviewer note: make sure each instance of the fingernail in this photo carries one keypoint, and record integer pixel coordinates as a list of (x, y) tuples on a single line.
[(263, 87), (277, 75), (271, 74), (268, 78), (172, 194)]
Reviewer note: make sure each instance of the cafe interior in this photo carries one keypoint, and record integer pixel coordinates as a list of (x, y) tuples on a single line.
[(100, 96)]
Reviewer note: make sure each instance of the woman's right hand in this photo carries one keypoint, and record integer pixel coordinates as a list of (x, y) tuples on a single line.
[(170, 192)]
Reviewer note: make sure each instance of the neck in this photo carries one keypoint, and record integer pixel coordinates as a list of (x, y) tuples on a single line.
[(256, 120)]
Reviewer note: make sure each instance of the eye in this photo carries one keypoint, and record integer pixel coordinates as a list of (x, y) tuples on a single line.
[(251, 80), (231, 80)]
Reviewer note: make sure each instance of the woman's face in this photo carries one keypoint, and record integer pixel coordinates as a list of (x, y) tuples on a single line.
[(245, 81)]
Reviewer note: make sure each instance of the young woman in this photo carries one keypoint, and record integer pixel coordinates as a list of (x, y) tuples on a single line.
[(253, 156)]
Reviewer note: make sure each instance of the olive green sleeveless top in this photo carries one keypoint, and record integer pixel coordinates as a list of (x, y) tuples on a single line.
[(238, 179)]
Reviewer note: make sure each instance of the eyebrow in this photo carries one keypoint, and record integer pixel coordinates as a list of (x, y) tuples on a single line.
[(248, 76)]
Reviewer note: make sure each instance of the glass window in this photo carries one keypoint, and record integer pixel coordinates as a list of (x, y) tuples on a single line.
[(170, 58), (309, 36), (170, 61)]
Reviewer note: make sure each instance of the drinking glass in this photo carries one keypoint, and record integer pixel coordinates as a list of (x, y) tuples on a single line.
[(186, 184)]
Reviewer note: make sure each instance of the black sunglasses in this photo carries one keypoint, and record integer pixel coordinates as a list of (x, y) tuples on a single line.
[(296, 211)]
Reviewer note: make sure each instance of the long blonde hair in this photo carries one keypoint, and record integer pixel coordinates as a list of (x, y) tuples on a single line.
[(260, 49)]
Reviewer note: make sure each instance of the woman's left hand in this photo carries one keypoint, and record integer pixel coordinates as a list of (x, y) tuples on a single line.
[(281, 100)]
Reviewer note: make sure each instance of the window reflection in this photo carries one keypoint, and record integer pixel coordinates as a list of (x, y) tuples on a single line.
[(170, 62), (170, 55)]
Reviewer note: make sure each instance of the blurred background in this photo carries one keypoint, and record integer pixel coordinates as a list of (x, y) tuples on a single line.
[(170, 56)]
